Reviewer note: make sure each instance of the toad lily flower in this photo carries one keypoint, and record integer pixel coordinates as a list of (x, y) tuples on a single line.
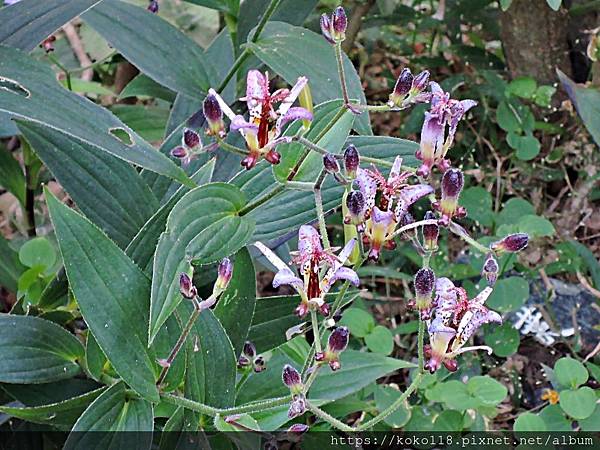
[(456, 319), (262, 132), (312, 259), (444, 112), (396, 196)]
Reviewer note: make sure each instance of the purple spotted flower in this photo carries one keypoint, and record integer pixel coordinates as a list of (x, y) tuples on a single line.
[(435, 143), (262, 132), (313, 282), (456, 319)]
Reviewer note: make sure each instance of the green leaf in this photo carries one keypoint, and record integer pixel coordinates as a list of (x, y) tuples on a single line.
[(454, 394), (587, 103), (386, 148), (543, 96), (219, 203), (505, 4), (294, 51), (524, 87), (513, 210), (36, 351), (555, 419), (37, 252), (10, 266), (529, 422), (61, 415), (147, 121), (570, 373), (106, 189), (384, 397), (144, 86), (590, 260), (579, 403), (148, 41), (34, 95), (554, 4), (115, 410), (141, 248), (509, 294), (535, 226), (112, 294), (94, 357), (478, 202), (26, 24), (527, 147), (507, 119), (46, 393), (359, 322), (503, 339), (591, 423), (449, 420), (235, 308), (487, 390), (11, 175), (380, 340)]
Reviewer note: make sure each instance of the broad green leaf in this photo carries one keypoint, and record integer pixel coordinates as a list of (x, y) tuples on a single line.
[(10, 266), (227, 6), (294, 51), (529, 422), (454, 394), (235, 308), (587, 103), (46, 393), (11, 175), (386, 148), (578, 403), (487, 390), (527, 147), (590, 260), (535, 226), (34, 95), (591, 423), (36, 351), (115, 410), (380, 340), (359, 322), (92, 88), (513, 210), (37, 252), (448, 421), (211, 359), (505, 4), (570, 373), (554, 4), (478, 202), (106, 189), (509, 294), (94, 357), (148, 42), (61, 415), (543, 95), (163, 344), (207, 209), (503, 339), (555, 419), (112, 294), (522, 87), (141, 248), (384, 397), (147, 121), (144, 86), (29, 22)]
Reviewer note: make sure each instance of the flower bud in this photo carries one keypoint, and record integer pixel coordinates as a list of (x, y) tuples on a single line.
[(430, 233), (490, 270), (351, 161), (186, 286), (243, 361), (419, 83), (249, 349), (259, 364), (452, 184), (191, 139), (326, 28), (292, 379), (339, 24), (407, 219), (401, 88), (225, 272), (512, 243), (153, 6), (297, 406), (298, 428), (338, 340), (355, 201), (180, 152), (214, 116), (330, 163), (424, 282), (273, 157), (305, 100)]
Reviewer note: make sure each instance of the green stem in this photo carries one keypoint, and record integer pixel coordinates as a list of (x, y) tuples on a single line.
[(232, 148), (341, 73), (311, 378), (234, 68), (63, 68), (329, 419), (319, 208), (94, 64), (264, 19), (420, 339), (315, 325), (211, 411), (462, 233)]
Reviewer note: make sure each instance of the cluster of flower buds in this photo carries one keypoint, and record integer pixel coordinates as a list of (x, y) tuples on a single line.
[(452, 185), (334, 27), (153, 6), (409, 89), (512, 243), (292, 379), (190, 147), (190, 292), (336, 344), (456, 319), (249, 358)]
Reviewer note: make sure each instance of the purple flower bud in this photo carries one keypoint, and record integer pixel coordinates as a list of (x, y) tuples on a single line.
[(420, 82), (298, 428), (243, 361), (355, 201), (431, 233), (259, 364), (512, 243), (214, 116), (490, 270), (191, 139), (326, 28), (351, 161), (186, 286), (153, 6), (249, 349), (452, 183), (225, 272), (401, 88), (292, 379), (340, 23), (424, 282), (297, 406), (180, 152), (338, 340), (330, 163), (407, 219)]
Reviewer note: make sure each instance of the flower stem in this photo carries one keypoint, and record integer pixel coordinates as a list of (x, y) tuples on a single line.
[(329, 419), (232, 148), (315, 325), (340, 66), (462, 233), (212, 411), (319, 208), (410, 226), (420, 339)]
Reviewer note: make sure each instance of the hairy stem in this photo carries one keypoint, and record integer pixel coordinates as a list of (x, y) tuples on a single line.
[(329, 419), (315, 325), (211, 411), (462, 233), (319, 208), (341, 73)]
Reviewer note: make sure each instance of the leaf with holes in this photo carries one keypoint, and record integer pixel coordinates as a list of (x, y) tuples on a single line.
[(35, 350), (205, 214), (28, 90), (112, 294)]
